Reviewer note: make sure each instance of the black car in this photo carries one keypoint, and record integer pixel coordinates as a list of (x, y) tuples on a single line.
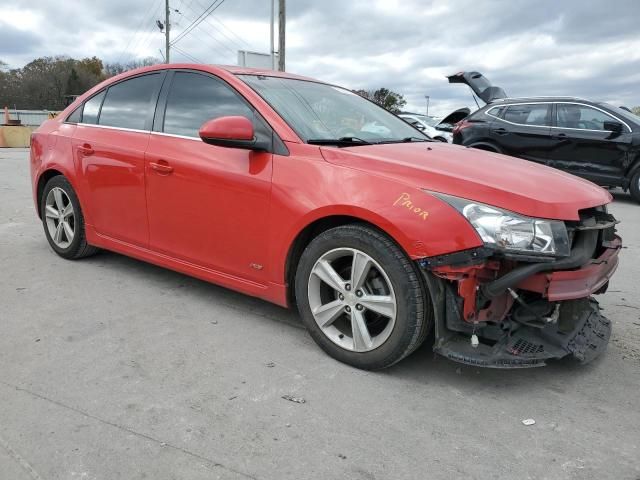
[(593, 140)]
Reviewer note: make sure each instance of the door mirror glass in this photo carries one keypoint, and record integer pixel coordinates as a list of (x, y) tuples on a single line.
[(232, 131)]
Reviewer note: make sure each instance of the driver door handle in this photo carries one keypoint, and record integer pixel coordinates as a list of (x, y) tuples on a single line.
[(86, 150), (162, 167), (500, 131), (560, 136)]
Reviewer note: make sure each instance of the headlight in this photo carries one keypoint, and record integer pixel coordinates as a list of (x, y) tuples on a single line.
[(510, 231)]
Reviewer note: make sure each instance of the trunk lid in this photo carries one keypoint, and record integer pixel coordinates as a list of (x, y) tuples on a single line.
[(480, 85)]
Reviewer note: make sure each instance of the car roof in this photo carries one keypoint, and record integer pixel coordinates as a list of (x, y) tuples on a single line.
[(538, 99), (214, 69)]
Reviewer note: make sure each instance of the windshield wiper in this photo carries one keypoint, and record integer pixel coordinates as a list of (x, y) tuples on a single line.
[(408, 140), (340, 142)]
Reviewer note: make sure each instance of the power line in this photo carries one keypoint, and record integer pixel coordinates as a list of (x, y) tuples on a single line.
[(140, 25), (144, 40), (226, 28), (198, 20), (194, 33), (188, 55)]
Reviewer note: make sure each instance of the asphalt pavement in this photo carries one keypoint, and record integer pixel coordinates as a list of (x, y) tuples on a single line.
[(111, 368)]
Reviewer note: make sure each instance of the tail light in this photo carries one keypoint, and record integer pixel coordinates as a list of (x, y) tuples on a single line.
[(461, 125)]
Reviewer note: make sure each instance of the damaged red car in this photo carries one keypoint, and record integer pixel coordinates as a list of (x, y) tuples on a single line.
[(309, 196)]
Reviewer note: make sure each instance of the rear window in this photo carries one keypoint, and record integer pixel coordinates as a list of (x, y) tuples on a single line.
[(528, 114), (92, 109), (129, 104)]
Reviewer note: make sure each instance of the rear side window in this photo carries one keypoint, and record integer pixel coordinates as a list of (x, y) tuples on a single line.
[(529, 114), (496, 111), (76, 116), (581, 117), (129, 104), (193, 99), (92, 109)]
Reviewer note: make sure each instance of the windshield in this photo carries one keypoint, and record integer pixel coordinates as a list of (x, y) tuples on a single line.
[(317, 111)]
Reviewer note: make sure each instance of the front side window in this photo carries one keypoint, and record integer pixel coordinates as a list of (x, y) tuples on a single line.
[(317, 111), (92, 109), (528, 114), (128, 104), (582, 117), (194, 98)]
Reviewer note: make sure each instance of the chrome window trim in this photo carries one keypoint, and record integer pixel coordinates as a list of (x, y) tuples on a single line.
[(559, 128), (519, 124), (184, 137), (92, 125), (595, 108), (108, 127)]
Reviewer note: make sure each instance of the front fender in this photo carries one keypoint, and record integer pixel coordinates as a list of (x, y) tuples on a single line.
[(307, 190)]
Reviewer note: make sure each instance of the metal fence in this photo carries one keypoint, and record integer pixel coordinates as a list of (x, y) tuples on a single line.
[(31, 117)]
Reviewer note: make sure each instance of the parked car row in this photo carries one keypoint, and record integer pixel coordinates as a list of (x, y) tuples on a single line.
[(309, 196), (593, 140), (440, 129)]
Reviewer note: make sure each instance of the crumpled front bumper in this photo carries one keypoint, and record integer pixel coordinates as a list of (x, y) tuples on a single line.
[(571, 284), (471, 302)]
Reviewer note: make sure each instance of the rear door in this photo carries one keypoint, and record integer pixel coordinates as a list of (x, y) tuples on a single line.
[(583, 146), (109, 144), (523, 130)]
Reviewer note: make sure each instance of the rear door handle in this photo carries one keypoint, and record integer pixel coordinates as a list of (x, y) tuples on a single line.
[(86, 150), (162, 167), (560, 136), (500, 131)]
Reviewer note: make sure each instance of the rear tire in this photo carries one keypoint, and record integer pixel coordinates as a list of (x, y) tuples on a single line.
[(63, 221), (388, 297), (634, 187)]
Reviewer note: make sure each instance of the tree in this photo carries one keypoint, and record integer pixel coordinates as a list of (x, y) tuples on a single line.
[(384, 97), (636, 110)]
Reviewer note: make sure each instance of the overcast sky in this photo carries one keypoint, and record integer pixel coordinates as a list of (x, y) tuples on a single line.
[(584, 48)]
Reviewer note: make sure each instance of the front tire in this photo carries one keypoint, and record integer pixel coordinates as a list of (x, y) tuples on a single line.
[(361, 298), (634, 187), (63, 221)]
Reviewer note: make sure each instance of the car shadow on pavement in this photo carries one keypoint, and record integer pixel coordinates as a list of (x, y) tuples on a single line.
[(422, 367)]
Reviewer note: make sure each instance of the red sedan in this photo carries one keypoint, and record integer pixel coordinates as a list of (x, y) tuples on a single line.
[(307, 195)]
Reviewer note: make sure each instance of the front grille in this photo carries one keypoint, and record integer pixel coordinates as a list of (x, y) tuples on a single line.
[(525, 347)]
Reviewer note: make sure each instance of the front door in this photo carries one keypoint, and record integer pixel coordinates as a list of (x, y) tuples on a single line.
[(207, 205), (583, 146)]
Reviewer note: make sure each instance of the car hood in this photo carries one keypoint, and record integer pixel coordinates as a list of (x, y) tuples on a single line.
[(455, 116), (506, 182)]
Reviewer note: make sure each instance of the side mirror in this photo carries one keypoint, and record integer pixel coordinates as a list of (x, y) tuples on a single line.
[(613, 127), (233, 132)]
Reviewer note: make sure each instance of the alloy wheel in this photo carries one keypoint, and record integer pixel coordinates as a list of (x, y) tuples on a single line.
[(60, 217), (352, 300)]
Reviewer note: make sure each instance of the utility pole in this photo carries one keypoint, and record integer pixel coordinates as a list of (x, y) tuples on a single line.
[(427, 97), (272, 33), (166, 31), (281, 34)]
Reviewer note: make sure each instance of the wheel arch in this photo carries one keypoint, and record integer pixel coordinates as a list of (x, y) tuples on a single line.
[(311, 231), (486, 145), (44, 177)]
